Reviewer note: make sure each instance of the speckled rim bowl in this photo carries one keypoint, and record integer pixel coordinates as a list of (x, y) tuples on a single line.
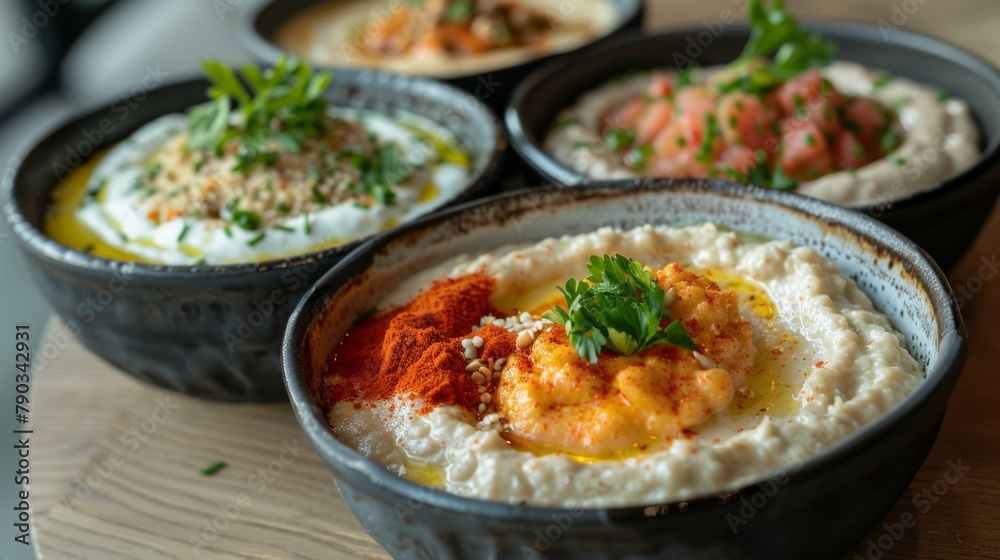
[(211, 331), (812, 510), (943, 220), (495, 86)]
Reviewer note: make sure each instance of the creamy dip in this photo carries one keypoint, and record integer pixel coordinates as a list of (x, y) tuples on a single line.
[(334, 34), (107, 207), (827, 363), (939, 138)]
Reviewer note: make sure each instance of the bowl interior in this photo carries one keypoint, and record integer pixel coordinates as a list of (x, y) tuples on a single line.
[(900, 279), (27, 186), (264, 23), (556, 86)]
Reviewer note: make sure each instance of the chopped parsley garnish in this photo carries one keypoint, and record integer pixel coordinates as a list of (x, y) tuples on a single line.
[(943, 94), (566, 121), (153, 170), (707, 147), (684, 79), (212, 468), (637, 157), (282, 207), (315, 173), (282, 104), (184, 231), (881, 81), (681, 141), (889, 140), (308, 226), (859, 151), (810, 140), (900, 101), (900, 161), (256, 239), (318, 196), (776, 34), (618, 139), (619, 307), (284, 228), (227, 231), (246, 219), (581, 144), (782, 182)]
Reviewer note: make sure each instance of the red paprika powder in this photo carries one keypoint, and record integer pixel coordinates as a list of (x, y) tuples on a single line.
[(416, 350)]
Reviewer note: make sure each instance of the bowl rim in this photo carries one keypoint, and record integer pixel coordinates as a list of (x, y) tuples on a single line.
[(922, 43), (262, 47), (35, 241), (939, 377)]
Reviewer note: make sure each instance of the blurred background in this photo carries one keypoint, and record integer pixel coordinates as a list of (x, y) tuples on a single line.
[(60, 56)]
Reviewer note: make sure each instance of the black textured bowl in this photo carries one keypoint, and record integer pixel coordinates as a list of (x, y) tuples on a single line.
[(816, 509), (209, 331), (493, 87), (943, 220)]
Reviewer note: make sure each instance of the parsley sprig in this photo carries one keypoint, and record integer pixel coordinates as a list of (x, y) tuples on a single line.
[(776, 34), (282, 107), (619, 307)]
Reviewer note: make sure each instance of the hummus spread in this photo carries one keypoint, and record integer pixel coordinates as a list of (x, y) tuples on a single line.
[(791, 358), (917, 136)]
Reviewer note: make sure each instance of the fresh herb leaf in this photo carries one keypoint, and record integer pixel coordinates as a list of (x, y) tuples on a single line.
[(246, 219), (256, 239), (618, 139), (153, 170), (566, 121), (782, 182), (706, 150), (684, 78), (776, 34), (638, 157), (283, 106), (285, 228), (881, 81), (212, 468), (184, 231), (620, 307)]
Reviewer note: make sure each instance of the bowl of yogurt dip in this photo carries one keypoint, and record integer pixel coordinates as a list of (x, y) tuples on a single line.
[(174, 241)]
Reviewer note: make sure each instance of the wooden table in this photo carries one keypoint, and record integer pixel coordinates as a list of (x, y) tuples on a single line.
[(115, 463)]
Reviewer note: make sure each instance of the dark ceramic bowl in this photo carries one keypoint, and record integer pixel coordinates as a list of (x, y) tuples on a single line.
[(493, 87), (943, 220), (209, 331), (816, 509)]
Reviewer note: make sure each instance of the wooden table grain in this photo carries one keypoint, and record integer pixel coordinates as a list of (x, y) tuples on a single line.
[(116, 463)]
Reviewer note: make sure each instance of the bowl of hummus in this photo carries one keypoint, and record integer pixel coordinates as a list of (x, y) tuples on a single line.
[(482, 46), (175, 238), (900, 128), (649, 368)]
